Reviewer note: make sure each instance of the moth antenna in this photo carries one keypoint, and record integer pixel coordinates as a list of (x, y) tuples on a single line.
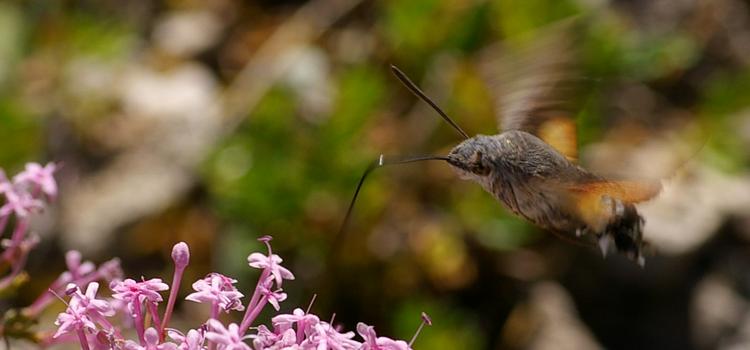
[(417, 91), (381, 161)]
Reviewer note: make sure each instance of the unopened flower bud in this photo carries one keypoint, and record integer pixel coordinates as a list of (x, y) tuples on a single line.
[(181, 255)]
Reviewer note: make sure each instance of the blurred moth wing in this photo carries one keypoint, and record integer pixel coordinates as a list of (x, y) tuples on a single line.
[(534, 87)]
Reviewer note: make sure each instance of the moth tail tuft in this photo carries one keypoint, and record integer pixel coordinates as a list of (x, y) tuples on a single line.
[(626, 230)]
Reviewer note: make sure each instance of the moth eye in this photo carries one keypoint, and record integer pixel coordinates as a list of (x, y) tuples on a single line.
[(476, 157), (476, 164)]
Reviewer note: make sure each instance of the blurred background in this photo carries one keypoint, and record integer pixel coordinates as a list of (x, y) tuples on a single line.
[(215, 122)]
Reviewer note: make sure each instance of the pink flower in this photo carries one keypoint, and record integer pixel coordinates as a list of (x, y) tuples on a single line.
[(79, 273), (324, 336), (122, 308), (110, 270), (274, 297), (264, 292), (74, 319), (135, 292), (264, 338), (151, 337), (18, 202), (373, 342), (267, 340), (227, 338), (76, 269), (286, 321), (88, 303), (270, 262), (36, 176), (304, 321), (260, 261), (217, 289), (193, 340)]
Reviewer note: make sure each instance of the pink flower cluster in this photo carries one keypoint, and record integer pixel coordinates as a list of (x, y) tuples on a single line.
[(25, 194), (88, 319), (102, 322), (79, 273)]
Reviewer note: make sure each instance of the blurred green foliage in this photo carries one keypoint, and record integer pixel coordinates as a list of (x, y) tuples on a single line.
[(292, 177), (21, 135)]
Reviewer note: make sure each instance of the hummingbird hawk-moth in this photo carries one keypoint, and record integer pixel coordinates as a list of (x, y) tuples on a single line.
[(531, 165)]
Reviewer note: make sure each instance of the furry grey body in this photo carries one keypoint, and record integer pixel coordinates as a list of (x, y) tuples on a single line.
[(532, 179), (524, 174)]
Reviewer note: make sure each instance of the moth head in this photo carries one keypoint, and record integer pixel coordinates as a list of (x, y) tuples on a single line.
[(471, 157)]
